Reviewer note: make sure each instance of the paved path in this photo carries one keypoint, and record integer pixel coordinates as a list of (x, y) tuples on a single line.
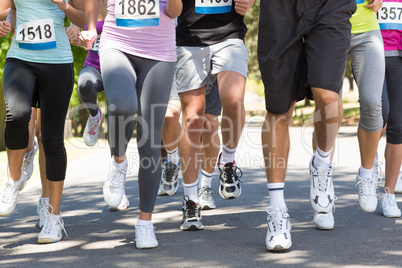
[(234, 233)]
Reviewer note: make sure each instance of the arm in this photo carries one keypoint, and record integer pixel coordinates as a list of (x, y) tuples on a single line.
[(174, 8), (74, 12), (73, 33), (9, 24), (375, 5), (4, 8), (242, 6), (91, 14)]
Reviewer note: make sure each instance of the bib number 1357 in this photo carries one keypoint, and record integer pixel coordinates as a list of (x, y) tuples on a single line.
[(137, 13), (36, 35)]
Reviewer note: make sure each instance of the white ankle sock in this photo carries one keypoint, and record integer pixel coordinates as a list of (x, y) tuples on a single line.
[(365, 173), (321, 158), (206, 179), (276, 196), (143, 222), (228, 155), (173, 156), (121, 165), (191, 191)]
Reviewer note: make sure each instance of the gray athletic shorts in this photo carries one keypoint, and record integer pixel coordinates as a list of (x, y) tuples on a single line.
[(213, 103), (197, 66)]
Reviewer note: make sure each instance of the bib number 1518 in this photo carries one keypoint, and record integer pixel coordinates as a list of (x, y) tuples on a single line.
[(36, 35)]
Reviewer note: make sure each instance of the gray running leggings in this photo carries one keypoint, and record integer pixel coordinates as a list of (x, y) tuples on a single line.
[(367, 54), (89, 85), (132, 82), (392, 99)]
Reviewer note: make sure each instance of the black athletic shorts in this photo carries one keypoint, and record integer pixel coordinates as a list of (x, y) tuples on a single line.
[(213, 103), (302, 44)]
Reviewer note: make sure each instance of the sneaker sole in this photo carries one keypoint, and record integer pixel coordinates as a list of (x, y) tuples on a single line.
[(47, 240), (192, 228), (279, 248), (229, 197), (206, 207)]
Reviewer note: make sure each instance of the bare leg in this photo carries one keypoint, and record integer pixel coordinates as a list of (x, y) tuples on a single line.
[(171, 126), (393, 161), (210, 142), (55, 194), (42, 158), (368, 144), (231, 91), (193, 106)]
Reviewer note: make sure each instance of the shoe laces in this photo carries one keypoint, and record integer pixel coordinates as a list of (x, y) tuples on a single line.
[(191, 210), (117, 178), (51, 220), (323, 179), (169, 172), (145, 230), (231, 171), (206, 193), (93, 124), (8, 191), (277, 218), (368, 186), (388, 199)]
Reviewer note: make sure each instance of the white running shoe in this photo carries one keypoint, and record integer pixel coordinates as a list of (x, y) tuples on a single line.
[(145, 236), (324, 221), (229, 179), (28, 161), (9, 194), (388, 204), (91, 131), (53, 229), (114, 186), (124, 204), (169, 182), (42, 203), (367, 188), (206, 199), (322, 195), (398, 186), (278, 232)]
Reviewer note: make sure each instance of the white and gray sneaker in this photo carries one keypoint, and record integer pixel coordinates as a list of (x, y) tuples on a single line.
[(322, 195), (169, 182), (398, 186), (145, 236), (191, 215), (53, 228), (388, 204), (206, 199), (28, 160), (42, 203), (9, 194), (91, 131), (278, 231), (324, 221), (114, 186), (367, 188), (124, 204)]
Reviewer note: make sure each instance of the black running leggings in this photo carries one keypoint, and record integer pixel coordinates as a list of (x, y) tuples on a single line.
[(54, 83), (89, 85)]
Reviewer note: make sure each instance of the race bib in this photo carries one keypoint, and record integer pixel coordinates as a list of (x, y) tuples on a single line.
[(36, 35), (137, 13), (359, 1), (390, 16), (95, 45), (213, 6)]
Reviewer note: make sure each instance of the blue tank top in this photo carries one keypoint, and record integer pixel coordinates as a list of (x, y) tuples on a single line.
[(40, 35)]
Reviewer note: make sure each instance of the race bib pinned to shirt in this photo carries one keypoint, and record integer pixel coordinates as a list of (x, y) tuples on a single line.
[(36, 35), (359, 1), (390, 16), (137, 13), (213, 6), (95, 45)]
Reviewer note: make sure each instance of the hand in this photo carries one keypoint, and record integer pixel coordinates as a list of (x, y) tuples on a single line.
[(61, 4), (5, 28), (242, 6), (375, 5), (73, 34), (87, 39)]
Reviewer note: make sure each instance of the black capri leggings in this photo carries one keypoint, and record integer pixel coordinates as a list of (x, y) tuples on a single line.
[(54, 82), (392, 99)]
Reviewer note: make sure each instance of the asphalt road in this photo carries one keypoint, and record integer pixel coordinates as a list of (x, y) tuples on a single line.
[(234, 233)]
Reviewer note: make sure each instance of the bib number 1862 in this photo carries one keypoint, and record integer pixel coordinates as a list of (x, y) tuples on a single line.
[(137, 13)]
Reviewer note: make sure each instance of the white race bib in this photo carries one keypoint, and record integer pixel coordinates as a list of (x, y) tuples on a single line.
[(390, 16), (213, 6), (36, 35), (95, 45), (137, 13)]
